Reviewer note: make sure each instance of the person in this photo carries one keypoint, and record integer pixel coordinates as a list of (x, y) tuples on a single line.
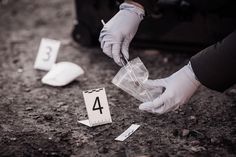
[(213, 67)]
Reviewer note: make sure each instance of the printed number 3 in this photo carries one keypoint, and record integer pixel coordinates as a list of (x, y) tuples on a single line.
[(48, 53), (97, 101)]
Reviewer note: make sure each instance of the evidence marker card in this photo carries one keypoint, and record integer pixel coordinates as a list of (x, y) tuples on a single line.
[(97, 107), (47, 54)]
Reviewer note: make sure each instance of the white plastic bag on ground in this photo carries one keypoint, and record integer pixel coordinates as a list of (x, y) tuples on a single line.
[(62, 74), (131, 78)]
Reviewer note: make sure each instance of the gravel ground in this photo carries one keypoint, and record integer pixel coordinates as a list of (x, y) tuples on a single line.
[(41, 121)]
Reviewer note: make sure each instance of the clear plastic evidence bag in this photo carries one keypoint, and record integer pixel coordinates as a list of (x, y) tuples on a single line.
[(131, 79)]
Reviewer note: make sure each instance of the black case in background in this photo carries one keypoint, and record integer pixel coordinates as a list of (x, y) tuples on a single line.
[(169, 32)]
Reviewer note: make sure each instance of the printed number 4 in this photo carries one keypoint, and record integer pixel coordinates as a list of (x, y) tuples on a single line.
[(97, 101)]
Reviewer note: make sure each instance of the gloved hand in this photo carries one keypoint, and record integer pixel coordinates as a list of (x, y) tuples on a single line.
[(179, 87), (117, 33)]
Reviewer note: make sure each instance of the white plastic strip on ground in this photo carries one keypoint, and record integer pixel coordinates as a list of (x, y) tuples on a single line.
[(127, 132)]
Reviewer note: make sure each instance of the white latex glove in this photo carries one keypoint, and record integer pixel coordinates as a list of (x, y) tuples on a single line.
[(179, 87), (117, 33)]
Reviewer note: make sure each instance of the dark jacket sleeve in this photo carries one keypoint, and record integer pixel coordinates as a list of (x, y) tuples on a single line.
[(215, 66), (149, 5), (186, 6)]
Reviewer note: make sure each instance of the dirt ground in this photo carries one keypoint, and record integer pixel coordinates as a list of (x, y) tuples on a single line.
[(41, 121)]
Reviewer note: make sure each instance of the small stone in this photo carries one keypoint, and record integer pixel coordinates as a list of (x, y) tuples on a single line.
[(43, 97), (76, 101), (28, 109), (20, 70), (185, 132), (62, 108), (27, 89), (112, 104), (214, 140), (15, 60), (13, 139), (149, 142), (40, 149), (59, 104), (36, 117), (197, 134), (103, 150), (54, 154), (182, 113), (192, 118), (197, 149), (48, 117), (195, 143)]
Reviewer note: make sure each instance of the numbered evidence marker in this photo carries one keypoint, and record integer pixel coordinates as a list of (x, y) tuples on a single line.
[(127, 132), (47, 54), (97, 107)]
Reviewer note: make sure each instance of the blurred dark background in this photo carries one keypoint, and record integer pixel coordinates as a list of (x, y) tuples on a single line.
[(172, 28)]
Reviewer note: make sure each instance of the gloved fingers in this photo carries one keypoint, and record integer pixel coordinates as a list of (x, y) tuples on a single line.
[(160, 105), (154, 83), (164, 104), (107, 49), (104, 39), (156, 90), (125, 48), (103, 33), (102, 43), (164, 108), (147, 106), (116, 49), (100, 38), (157, 106)]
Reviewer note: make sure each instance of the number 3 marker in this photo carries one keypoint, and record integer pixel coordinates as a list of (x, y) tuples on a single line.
[(47, 54)]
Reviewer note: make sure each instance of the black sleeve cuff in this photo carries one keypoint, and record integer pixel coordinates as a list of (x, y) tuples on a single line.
[(215, 66)]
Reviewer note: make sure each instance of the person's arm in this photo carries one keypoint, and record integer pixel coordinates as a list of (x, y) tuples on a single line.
[(178, 89), (148, 5), (185, 7), (118, 32), (215, 66), (135, 3)]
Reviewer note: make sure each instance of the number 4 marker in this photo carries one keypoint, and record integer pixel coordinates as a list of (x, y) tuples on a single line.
[(97, 107)]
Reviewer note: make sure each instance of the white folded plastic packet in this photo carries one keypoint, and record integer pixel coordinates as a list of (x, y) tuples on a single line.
[(131, 79), (62, 74)]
